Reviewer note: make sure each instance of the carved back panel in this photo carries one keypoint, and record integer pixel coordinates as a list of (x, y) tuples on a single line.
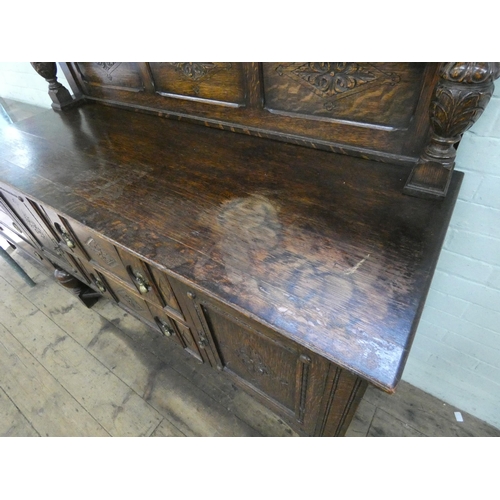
[(373, 110)]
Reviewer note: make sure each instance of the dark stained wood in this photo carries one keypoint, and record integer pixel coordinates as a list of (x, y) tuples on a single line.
[(365, 109), (283, 234), (300, 274), (463, 91)]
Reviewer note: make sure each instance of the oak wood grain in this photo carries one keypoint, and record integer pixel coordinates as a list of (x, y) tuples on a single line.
[(321, 247)]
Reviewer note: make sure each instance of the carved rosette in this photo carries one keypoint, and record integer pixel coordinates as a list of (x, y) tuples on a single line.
[(59, 94), (460, 97)]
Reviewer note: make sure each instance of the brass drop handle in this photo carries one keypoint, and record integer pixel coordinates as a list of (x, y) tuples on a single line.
[(191, 295), (67, 239), (100, 285), (59, 251), (165, 328), (142, 284), (203, 342)]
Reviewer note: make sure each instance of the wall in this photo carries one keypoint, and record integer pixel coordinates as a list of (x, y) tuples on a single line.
[(456, 353), (19, 81)]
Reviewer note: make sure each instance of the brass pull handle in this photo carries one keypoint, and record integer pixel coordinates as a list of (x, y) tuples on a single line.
[(142, 283), (100, 285), (59, 251), (191, 295), (165, 328), (67, 239), (203, 342)]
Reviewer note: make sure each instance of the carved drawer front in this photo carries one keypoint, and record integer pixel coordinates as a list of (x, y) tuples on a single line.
[(274, 369), (216, 83), (97, 280), (8, 222), (19, 242), (129, 301), (139, 276), (176, 329), (88, 245), (26, 211), (170, 303), (62, 229)]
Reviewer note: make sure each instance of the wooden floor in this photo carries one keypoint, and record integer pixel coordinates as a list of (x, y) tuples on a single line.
[(66, 370)]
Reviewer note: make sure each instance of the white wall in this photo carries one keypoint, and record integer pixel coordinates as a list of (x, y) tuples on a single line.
[(456, 353), (19, 81)]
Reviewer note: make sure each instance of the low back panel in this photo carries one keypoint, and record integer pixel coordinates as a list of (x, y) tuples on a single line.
[(373, 110)]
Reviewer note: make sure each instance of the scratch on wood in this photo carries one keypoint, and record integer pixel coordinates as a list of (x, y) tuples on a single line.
[(357, 266)]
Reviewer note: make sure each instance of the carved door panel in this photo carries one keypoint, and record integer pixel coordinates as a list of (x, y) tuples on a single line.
[(26, 211), (279, 372)]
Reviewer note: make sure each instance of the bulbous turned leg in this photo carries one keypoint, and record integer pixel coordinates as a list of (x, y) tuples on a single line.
[(462, 93), (76, 287), (59, 94)]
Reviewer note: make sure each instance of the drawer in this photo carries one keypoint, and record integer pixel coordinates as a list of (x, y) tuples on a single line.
[(26, 211), (176, 329), (7, 221), (19, 243), (152, 284), (96, 280), (87, 244), (129, 301)]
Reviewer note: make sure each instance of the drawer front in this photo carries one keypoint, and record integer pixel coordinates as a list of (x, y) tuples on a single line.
[(7, 221), (140, 278), (96, 280), (88, 245), (170, 303), (182, 332), (129, 301), (26, 211)]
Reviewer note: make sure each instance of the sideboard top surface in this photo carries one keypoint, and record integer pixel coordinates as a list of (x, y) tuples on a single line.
[(322, 247)]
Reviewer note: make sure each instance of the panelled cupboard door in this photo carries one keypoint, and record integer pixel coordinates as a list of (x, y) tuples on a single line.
[(279, 372)]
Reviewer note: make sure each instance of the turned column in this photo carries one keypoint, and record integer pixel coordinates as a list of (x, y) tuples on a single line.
[(59, 94), (462, 93)]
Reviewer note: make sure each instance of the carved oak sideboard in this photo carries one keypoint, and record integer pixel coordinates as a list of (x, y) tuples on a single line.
[(280, 222)]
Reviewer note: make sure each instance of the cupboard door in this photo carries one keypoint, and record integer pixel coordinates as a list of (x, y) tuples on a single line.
[(278, 371)]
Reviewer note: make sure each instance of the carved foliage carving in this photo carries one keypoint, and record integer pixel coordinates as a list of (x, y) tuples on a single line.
[(253, 361), (333, 80), (330, 78), (454, 110), (194, 70)]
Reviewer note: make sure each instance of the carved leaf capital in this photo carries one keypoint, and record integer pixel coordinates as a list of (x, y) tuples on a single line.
[(470, 72)]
